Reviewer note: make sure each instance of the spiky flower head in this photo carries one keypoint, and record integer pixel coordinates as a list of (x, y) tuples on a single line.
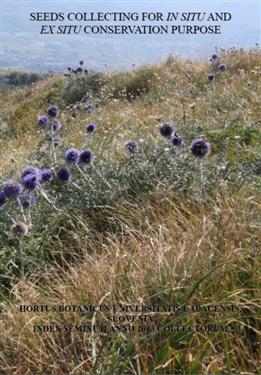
[(166, 130), (211, 77), (46, 175), (43, 121), (72, 155), (91, 127), (64, 174), (30, 181), (52, 111), (79, 69), (56, 125), (30, 170), (200, 148), (19, 228), (81, 62), (222, 67), (27, 200), (2, 198), (131, 147), (86, 157), (177, 141), (12, 188), (214, 56)]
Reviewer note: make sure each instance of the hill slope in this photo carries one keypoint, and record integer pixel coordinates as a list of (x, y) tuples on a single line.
[(155, 228)]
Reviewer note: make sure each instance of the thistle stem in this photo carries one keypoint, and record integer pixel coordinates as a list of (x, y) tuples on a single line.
[(53, 146), (22, 209), (47, 199), (85, 177), (101, 177)]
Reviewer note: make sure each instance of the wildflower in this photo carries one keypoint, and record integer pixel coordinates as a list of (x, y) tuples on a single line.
[(177, 141), (30, 170), (56, 125), (200, 148), (166, 130), (64, 174), (27, 200), (91, 127), (81, 62), (19, 228), (222, 67), (79, 69), (43, 121), (86, 157), (46, 175), (72, 155), (69, 68), (57, 141), (12, 188), (2, 198), (211, 77), (30, 181), (214, 56), (52, 111), (131, 147)]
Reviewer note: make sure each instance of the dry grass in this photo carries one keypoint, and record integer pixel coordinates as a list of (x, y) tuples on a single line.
[(167, 249)]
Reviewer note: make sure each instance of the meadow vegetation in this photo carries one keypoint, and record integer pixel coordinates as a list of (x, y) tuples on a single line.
[(156, 226)]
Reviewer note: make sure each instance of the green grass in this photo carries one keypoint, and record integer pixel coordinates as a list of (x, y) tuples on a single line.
[(162, 234)]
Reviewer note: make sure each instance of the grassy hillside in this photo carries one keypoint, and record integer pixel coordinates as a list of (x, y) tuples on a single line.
[(157, 227)]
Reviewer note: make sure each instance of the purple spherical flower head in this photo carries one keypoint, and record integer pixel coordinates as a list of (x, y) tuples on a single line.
[(222, 67), (79, 69), (166, 130), (30, 170), (86, 157), (12, 188), (131, 147), (177, 141), (30, 181), (200, 148), (43, 121), (211, 77), (52, 111), (81, 62), (214, 56), (90, 128), (46, 175), (72, 155), (27, 200), (64, 174), (2, 198), (56, 125)]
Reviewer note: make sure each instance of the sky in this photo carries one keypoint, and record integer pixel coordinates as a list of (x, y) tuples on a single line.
[(24, 48)]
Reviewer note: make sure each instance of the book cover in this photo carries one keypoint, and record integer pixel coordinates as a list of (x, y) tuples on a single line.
[(129, 187)]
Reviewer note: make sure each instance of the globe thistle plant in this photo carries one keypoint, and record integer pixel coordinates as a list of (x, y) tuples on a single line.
[(30, 170), (177, 141), (12, 188), (43, 121), (222, 67), (64, 174), (131, 147), (91, 128), (30, 182), (71, 156), (27, 200), (46, 175), (86, 157), (52, 111), (200, 148), (166, 130)]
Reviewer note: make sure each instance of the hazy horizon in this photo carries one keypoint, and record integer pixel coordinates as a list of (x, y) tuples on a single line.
[(23, 48)]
